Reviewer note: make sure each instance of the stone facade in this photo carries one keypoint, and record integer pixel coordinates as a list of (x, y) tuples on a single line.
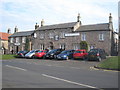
[(17, 41), (67, 36)]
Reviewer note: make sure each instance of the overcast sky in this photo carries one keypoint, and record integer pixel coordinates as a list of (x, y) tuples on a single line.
[(25, 13)]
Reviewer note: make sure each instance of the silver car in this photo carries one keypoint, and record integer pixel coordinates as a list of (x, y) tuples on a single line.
[(31, 53)]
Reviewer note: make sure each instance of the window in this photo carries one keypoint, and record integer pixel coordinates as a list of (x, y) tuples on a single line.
[(23, 39), (83, 36), (56, 37), (35, 35), (11, 40), (42, 36), (101, 37), (41, 46), (17, 39), (51, 35), (62, 46), (76, 46), (62, 35)]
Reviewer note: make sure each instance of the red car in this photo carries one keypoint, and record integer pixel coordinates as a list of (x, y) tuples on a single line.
[(40, 54), (80, 54)]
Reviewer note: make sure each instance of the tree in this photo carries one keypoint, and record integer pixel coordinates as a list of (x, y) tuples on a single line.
[(27, 44), (84, 45)]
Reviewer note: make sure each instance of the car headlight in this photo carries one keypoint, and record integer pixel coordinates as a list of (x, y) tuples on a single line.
[(64, 56), (52, 53)]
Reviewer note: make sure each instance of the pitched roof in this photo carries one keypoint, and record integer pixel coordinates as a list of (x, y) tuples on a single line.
[(25, 33), (56, 26), (94, 27), (4, 36)]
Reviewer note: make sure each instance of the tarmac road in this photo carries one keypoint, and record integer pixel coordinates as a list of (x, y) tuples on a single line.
[(34, 73)]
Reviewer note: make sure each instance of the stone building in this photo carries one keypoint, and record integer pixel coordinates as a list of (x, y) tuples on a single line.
[(17, 41), (69, 35), (4, 42)]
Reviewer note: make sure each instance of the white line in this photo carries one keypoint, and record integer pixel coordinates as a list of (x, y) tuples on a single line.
[(88, 86), (16, 67)]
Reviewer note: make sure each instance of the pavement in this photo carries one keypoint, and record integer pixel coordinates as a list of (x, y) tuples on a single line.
[(40, 73)]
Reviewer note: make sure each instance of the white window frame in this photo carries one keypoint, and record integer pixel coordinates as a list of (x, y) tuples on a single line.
[(76, 46), (62, 35), (11, 40), (42, 46), (23, 39), (62, 46), (17, 40), (42, 35), (83, 36), (101, 37), (51, 35)]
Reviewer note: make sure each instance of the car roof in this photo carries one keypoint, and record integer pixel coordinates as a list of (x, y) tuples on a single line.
[(81, 50)]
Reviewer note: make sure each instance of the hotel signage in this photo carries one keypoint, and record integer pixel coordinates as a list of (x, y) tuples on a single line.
[(72, 34)]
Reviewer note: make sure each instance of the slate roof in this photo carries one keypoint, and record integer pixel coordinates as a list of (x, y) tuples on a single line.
[(94, 27), (4, 36), (18, 34), (56, 26)]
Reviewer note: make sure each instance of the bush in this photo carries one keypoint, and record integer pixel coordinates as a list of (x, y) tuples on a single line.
[(84, 45)]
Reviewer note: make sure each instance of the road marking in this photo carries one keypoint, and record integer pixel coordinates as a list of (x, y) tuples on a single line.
[(16, 67), (88, 86)]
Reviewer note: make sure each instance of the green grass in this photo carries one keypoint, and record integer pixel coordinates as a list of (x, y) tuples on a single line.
[(110, 63), (7, 57)]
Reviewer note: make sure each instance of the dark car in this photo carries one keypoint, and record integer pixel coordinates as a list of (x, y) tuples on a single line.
[(53, 53), (65, 55), (21, 54), (96, 54)]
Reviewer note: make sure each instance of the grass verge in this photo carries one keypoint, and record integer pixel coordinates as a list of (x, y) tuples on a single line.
[(110, 63), (7, 57)]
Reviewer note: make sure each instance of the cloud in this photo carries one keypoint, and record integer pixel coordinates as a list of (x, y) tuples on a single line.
[(25, 13)]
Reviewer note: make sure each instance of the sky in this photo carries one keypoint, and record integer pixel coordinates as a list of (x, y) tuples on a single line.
[(26, 13)]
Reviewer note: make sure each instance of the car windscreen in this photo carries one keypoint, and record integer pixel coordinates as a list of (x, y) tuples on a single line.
[(93, 50), (78, 51), (40, 51), (64, 52), (32, 51)]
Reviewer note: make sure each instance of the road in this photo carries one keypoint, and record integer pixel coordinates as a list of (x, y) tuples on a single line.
[(34, 73)]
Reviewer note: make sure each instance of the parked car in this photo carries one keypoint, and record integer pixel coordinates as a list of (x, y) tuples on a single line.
[(31, 53), (40, 54), (65, 55), (53, 53), (21, 54), (80, 54), (96, 54)]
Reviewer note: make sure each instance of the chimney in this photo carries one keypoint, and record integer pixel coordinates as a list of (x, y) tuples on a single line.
[(36, 26), (9, 31), (110, 22), (16, 29), (42, 22), (110, 18), (78, 18)]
